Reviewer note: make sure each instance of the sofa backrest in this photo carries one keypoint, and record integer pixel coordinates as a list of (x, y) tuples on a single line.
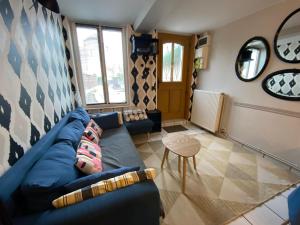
[(11, 179)]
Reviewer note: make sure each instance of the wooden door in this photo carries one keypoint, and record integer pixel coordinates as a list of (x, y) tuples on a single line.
[(172, 75)]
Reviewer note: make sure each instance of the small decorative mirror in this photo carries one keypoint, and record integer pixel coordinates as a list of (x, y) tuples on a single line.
[(287, 39), (284, 84), (252, 59)]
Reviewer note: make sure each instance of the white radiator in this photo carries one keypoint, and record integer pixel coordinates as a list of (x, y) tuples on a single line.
[(207, 109)]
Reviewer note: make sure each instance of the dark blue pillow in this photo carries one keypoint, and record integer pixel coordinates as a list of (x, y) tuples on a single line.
[(107, 120), (80, 114), (294, 207), (71, 133), (46, 180), (93, 178)]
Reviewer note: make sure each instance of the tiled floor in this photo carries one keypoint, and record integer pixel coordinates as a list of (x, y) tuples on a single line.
[(228, 182)]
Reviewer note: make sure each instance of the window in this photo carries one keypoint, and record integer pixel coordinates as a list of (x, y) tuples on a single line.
[(172, 62), (101, 54)]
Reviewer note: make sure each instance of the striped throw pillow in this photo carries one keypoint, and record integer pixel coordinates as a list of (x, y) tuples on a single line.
[(103, 187)]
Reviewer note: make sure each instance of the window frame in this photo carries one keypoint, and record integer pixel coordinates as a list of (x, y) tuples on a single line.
[(100, 28)]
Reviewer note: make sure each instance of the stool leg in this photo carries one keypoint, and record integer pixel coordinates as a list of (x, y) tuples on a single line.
[(148, 136), (164, 157), (194, 161), (179, 164), (184, 174)]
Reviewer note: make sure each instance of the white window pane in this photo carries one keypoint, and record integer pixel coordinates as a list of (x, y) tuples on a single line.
[(113, 53), (167, 62), (178, 60), (90, 64)]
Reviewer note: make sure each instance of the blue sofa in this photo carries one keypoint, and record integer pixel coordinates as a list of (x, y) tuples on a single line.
[(134, 205)]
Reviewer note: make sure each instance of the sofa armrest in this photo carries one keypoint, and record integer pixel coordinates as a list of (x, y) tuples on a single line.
[(134, 205), (107, 120)]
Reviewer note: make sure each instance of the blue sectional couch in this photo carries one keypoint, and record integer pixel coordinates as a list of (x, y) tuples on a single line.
[(134, 205)]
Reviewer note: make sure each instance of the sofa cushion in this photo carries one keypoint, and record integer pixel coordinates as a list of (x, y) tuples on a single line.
[(91, 147), (46, 179), (80, 114), (92, 124), (90, 134), (93, 178), (118, 150), (139, 127), (71, 133), (107, 120), (88, 158)]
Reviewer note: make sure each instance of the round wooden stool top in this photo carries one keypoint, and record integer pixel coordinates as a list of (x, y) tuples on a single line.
[(181, 144)]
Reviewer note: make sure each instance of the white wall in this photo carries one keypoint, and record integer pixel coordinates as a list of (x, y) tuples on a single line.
[(275, 133)]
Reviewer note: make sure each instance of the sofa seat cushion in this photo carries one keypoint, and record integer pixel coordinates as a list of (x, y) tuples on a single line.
[(71, 133), (118, 150), (46, 180), (139, 127), (93, 178)]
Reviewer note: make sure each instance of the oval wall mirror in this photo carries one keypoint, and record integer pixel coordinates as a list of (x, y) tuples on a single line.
[(287, 39), (252, 59), (284, 84)]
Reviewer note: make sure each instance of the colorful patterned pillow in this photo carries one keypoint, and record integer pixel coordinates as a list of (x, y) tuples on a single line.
[(88, 163), (95, 127), (103, 187), (91, 147), (134, 115), (90, 134), (88, 157)]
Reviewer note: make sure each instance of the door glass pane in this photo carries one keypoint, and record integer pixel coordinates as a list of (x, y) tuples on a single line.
[(167, 62), (113, 53), (90, 64), (178, 60)]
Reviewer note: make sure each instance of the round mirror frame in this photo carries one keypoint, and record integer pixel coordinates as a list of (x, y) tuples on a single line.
[(277, 34), (267, 90), (265, 42)]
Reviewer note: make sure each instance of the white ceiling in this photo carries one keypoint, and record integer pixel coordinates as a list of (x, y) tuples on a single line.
[(179, 16)]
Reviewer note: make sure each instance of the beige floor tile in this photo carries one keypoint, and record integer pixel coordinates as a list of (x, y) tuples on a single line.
[(168, 181), (145, 147), (243, 158), (279, 206), (240, 221), (216, 146), (183, 213), (275, 176), (153, 161), (235, 191), (263, 216)]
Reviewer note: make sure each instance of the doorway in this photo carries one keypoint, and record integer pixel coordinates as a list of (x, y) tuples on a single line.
[(172, 68)]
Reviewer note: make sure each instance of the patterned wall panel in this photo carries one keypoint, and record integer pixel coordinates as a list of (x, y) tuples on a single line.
[(142, 82), (193, 79), (66, 30), (35, 89)]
